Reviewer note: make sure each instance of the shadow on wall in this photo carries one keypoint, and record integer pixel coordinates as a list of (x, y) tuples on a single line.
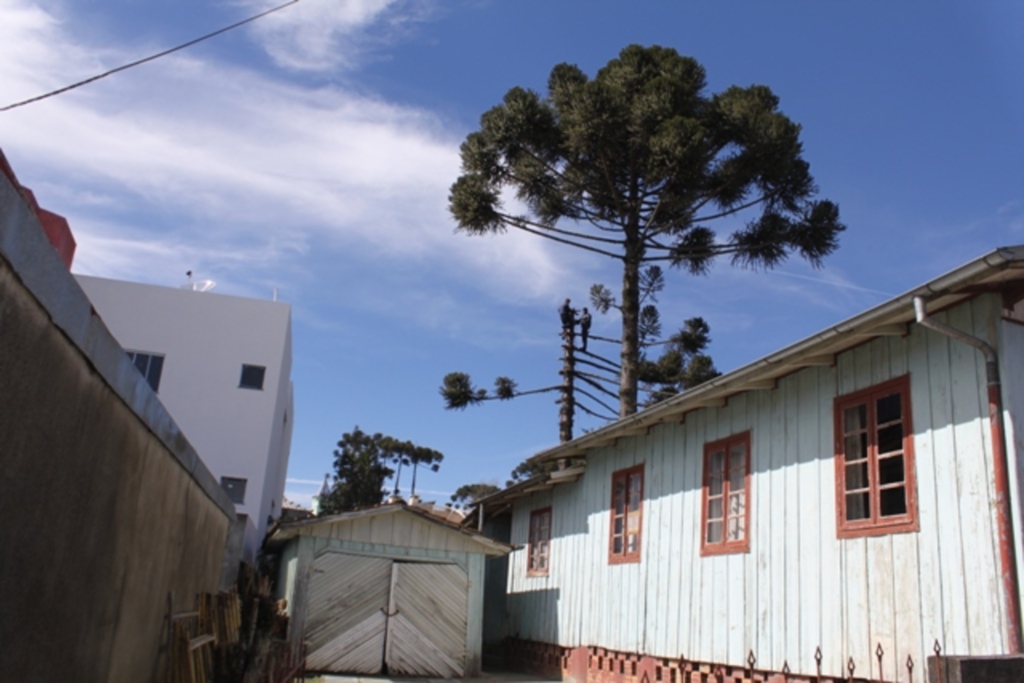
[(106, 508)]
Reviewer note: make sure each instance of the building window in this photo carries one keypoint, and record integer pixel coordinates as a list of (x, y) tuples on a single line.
[(627, 515), (726, 509), (150, 365), (540, 542), (235, 488), (875, 489), (252, 377)]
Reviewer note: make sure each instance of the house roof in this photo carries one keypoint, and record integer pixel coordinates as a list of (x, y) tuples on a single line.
[(497, 502), (308, 527), (1001, 270)]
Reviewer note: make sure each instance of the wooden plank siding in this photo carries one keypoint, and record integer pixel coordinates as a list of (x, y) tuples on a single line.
[(799, 586), (397, 537)]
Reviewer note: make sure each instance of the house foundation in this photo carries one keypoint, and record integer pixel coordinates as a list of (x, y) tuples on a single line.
[(601, 665)]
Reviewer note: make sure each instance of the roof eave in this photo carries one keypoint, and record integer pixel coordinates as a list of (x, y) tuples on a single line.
[(788, 359)]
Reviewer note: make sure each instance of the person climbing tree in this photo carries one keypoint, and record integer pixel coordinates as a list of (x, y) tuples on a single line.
[(567, 314), (584, 322)]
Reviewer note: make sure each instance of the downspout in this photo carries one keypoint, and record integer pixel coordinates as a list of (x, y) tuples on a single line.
[(1000, 466)]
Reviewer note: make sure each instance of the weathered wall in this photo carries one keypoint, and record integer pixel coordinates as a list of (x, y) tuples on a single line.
[(104, 506), (800, 586), (308, 548)]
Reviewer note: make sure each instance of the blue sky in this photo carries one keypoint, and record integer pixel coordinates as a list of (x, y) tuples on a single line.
[(312, 152)]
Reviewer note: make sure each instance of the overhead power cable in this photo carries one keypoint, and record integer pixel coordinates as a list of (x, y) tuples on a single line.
[(150, 58)]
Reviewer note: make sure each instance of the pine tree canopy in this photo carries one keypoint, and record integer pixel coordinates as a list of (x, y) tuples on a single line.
[(638, 164)]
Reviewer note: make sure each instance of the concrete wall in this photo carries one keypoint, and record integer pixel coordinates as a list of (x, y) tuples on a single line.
[(205, 338), (104, 506)]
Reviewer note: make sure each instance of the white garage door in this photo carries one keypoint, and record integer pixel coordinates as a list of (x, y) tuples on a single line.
[(371, 615)]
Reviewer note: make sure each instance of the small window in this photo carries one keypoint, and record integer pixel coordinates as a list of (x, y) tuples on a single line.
[(627, 515), (150, 365), (540, 542), (235, 488), (252, 377), (726, 509), (875, 489)]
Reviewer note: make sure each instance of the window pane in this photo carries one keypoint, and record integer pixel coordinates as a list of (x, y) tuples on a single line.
[(855, 418), (634, 491), (715, 485), (252, 376), (714, 532), (631, 546), (617, 529), (737, 466), (857, 476), (890, 438), (893, 501), (889, 408), (235, 488), (858, 506), (856, 446), (737, 503), (633, 523), (619, 498), (716, 463), (156, 367), (715, 509), (141, 361), (617, 545), (890, 470), (736, 528)]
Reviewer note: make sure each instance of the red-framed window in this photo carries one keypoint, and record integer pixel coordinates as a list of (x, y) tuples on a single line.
[(627, 515), (725, 521), (539, 553), (875, 488)]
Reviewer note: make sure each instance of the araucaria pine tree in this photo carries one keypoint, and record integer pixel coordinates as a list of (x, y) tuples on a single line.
[(637, 164)]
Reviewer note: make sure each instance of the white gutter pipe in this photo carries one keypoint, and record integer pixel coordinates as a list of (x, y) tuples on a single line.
[(1000, 467)]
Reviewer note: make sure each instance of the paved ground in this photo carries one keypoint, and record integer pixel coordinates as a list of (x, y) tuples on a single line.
[(486, 677)]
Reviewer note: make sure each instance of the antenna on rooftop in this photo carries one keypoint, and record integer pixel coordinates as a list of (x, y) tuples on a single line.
[(198, 285)]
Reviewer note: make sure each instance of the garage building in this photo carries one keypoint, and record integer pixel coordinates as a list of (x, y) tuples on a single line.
[(389, 590)]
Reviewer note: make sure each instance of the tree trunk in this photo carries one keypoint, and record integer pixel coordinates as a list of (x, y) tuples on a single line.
[(633, 253), (567, 414)]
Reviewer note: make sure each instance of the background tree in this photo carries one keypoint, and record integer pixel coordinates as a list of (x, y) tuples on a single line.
[(528, 468), (636, 164), (682, 364), (467, 494), (361, 468), (407, 454), (458, 391)]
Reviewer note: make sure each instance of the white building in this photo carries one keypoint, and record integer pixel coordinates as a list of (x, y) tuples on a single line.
[(221, 365)]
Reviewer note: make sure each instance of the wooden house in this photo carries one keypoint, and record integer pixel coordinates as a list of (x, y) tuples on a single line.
[(391, 589), (841, 509)]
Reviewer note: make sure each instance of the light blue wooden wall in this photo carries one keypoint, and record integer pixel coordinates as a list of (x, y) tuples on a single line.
[(799, 587)]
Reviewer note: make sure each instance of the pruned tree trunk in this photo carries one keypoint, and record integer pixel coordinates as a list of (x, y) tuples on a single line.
[(630, 324), (566, 415)]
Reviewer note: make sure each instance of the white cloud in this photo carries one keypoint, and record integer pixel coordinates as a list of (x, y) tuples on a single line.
[(1011, 215), (183, 160), (317, 35)]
